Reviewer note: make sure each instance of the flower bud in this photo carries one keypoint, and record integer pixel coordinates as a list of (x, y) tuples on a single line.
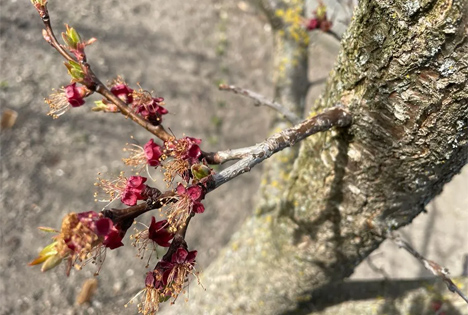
[(75, 71), (51, 262), (200, 171), (71, 37)]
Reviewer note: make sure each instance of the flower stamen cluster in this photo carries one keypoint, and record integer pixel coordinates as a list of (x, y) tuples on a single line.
[(149, 107), (151, 154), (189, 202), (128, 190), (184, 152), (70, 96), (167, 280), (156, 233)]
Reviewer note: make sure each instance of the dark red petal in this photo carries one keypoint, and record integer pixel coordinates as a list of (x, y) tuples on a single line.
[(129, 198), (195, 192), (161, 110), (191, 256), (158, 233), (313, 24), (179, 256), (73, 95), (194, 152), (71, 91), (181, 190), (103, 226), (194, 140), (113, 240), (198, 207), (136, 181), (123, 92), (76, 102), (153, 153), (150, 279), (164, 265)]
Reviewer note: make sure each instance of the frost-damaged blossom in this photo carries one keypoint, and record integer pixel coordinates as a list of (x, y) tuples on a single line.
[(151, 154), (166, 280), (82, 236), (70, 96), (189, 201), (157, 233), (149, 107), (128, 190)]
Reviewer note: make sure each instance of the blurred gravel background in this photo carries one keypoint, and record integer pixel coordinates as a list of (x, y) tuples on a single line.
[(180, 50)]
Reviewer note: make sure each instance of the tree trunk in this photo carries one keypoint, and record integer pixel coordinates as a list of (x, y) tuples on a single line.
[(402, 72)]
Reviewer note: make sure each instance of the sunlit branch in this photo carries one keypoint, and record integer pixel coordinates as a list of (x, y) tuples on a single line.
[(436, 269), (334, 117), (262, 100)]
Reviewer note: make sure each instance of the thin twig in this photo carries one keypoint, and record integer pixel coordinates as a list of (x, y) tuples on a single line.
[(334, 117), (430, 265), (262, 100), (316, 82), (157, 130), (334, 35), (52, 40)]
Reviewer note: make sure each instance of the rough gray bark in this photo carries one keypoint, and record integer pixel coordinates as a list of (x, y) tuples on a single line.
[(402, 72)]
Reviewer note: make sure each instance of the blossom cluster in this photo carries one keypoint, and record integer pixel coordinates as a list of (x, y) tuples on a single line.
[(82, 236), (319, 19), (167, 280), (86, 236), (140, 101)]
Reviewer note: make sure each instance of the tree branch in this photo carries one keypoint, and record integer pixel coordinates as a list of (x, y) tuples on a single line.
[(334, 117), (436, 269), (262, 100)]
